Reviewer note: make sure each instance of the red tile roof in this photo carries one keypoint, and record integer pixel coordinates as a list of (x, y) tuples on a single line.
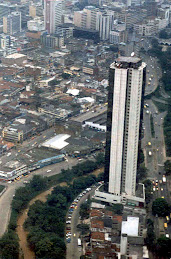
[(118, 218), (98, 236), (97, 224), (95, 213)]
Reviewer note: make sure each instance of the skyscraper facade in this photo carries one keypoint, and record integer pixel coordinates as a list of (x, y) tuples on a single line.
[(53, 10), (126, 87)]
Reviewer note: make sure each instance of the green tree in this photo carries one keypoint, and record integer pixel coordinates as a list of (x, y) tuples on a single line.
[(150, 239), (100, 159), (50, 247), (65, 76), (67, 192), (160, 207), (140, 157), (84, 210), (54, 82), (164, 247), (163, 34), (83, 228), (167, 167), (116, 208), (141, 172), (38, 183), (9, 246), (79, 185), (148, 190), (59, 200)]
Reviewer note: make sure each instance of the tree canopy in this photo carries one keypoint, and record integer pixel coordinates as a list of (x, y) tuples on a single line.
[(164, 247), (167, 167), (160, 207), (150, 239), (9, 246)]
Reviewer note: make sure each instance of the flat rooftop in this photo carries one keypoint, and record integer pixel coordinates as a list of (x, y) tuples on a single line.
[(90, 114), (57, 142), (127, 62), (128, 59), (16, 55), (130, 227)]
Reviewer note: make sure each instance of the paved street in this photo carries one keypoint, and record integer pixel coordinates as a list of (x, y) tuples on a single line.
[(73, 251), (155, 163), (6, 198), (153, 70)]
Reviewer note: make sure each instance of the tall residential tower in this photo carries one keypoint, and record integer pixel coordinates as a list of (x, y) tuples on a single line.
[(53, 14), (126, 87)]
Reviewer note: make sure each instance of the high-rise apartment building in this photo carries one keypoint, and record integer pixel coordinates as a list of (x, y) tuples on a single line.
[(104, 24), (126, 87), (23, 8), (53, 14), (5, 9), (12, 23), (87, 18), (35, 10)]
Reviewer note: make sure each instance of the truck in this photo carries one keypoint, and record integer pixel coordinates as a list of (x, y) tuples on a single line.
[(79, 242), (164, 179)]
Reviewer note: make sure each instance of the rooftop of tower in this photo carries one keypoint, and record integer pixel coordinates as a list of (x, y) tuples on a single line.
[(128, 59), (127, 62)]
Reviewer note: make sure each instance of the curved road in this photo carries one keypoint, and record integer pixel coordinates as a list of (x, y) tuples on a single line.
[(6, 198)]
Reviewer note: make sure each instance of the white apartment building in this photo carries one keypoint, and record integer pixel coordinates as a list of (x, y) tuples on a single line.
[(151, 26), (126, 86), (145, 29), (92, 18), (117, 36), (104, 25), (87, 18), (128, 79), (53, 10), (36, 24)]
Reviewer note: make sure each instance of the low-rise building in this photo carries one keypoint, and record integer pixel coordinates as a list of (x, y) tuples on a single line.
[(45, 82), (90, 70), (145, 29), (16, 58), (36, 25), (117, 36), (65, 30), (13, 134), (50, 41)]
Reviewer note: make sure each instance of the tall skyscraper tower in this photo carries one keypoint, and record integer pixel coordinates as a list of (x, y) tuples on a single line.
[(126, 87), (53, 10)]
